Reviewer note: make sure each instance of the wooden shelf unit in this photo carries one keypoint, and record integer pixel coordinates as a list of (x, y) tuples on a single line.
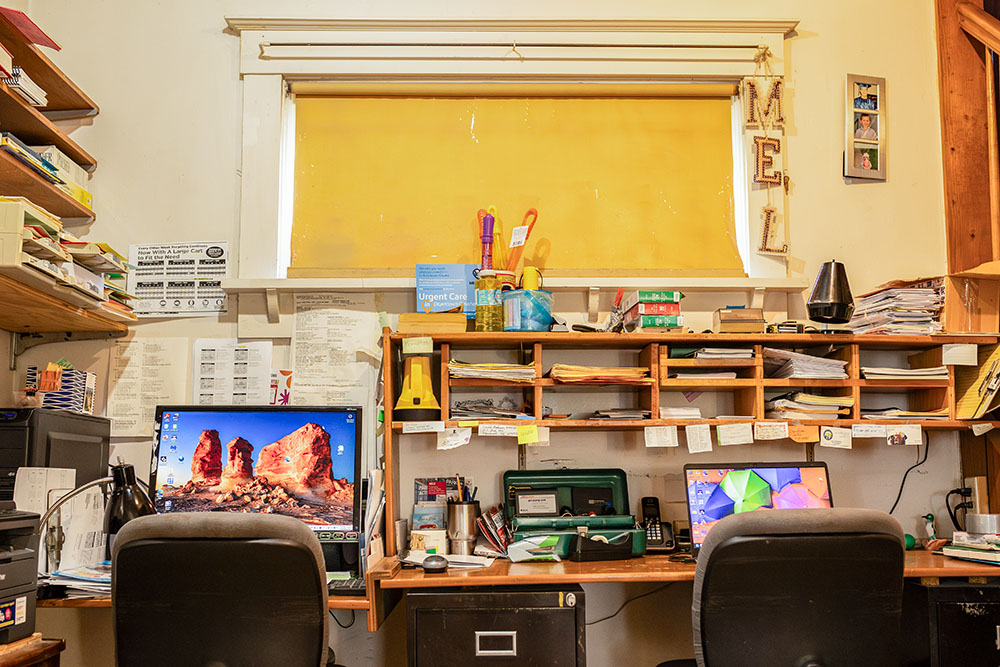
[(18, 179), (29, 125), (29, 310)]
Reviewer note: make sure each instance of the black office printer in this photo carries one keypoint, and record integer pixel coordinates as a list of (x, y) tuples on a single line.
[(18, 572)]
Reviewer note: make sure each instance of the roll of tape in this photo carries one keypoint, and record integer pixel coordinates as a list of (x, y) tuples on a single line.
[(983, 523), (600, 538)]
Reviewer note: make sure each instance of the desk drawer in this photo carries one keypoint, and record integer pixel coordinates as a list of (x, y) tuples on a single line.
[(524, 627)]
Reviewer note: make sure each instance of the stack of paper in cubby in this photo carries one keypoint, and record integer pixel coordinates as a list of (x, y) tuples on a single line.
[(800, 405), (901, 308), (510, 372), (879, 373), (788, 364)]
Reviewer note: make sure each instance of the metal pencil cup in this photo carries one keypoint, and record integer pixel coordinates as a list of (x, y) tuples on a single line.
[(462, 529)]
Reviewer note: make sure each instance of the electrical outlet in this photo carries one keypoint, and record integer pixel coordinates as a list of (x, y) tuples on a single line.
[(979, 498)]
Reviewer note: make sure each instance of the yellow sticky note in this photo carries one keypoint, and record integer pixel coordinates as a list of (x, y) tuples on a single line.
[(527, 434), (464, 424)]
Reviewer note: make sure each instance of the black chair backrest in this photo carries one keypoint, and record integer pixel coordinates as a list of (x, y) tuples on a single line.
[(798, 588), (253, 595)]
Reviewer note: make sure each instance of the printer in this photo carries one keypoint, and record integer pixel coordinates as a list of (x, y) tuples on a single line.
[(18, 572), (583, 512)]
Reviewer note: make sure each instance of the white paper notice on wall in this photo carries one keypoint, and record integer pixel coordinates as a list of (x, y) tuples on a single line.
[(423, 427), (770, 430), (979, 429), (699, 438), (868, 430), (661, 436), (145, 372), (498, 430), (451, 438), (832, 436), (904, 434), (735, 434), (179, 279), (228, 372)]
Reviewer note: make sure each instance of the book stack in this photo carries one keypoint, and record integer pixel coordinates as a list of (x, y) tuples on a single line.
[(788, 364), (652, 311), (800, 405), (21, 83), (492, 527), (901, 307)]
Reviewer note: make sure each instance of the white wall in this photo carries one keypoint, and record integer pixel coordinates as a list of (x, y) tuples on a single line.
[(168, 146)]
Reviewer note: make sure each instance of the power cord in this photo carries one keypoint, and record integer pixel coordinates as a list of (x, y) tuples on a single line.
[(963, 492), (903, 483), (337, 620), (630, 600)]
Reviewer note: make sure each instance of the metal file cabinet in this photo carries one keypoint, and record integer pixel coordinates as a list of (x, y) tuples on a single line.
[(496, 626)]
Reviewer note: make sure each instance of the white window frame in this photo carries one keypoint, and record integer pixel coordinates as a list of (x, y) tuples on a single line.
[(274, 52)]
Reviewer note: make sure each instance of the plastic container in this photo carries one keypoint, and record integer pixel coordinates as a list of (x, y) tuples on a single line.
[(527, 310), (489, 308)]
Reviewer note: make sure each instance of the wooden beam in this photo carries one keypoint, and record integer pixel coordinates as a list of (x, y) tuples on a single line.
[(974, 20), (964, 139)]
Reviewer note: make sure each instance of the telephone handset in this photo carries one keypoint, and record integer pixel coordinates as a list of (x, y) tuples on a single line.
[(659, 535)]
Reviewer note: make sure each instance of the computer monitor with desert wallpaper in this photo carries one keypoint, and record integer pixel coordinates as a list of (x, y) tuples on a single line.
[(301, 462)]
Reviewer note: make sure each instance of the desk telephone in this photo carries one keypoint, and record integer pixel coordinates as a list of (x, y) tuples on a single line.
[(659, 535)]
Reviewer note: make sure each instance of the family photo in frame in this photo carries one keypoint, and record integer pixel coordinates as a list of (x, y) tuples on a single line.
[(865, 121)]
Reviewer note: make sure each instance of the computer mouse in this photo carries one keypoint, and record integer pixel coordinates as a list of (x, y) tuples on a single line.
[(435, 564)]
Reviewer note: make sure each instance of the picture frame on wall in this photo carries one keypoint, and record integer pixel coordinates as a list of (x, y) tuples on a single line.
[(866, 123)]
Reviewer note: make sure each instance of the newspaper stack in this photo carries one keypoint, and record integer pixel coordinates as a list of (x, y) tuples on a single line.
[(900, 308), (788, 364)]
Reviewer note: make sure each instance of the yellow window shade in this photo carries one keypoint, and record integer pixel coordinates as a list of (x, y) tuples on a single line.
[(638, 185)]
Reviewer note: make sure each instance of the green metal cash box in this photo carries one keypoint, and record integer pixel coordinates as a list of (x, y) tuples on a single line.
[(587, 510)]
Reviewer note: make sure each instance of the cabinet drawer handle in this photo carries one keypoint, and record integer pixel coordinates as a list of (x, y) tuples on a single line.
[(512, 651)]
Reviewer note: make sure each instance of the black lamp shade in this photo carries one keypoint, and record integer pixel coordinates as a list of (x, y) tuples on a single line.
[(831, 300), (128, 501)]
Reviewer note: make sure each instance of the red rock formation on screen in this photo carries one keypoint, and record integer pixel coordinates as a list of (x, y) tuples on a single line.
[(239, 462), (300, 461), (206, 464)]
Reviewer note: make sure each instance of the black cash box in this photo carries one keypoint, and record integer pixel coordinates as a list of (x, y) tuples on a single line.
[(18, 572)]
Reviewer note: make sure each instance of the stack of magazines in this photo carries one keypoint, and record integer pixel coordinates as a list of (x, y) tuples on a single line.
[(493, 529), (901, 308)]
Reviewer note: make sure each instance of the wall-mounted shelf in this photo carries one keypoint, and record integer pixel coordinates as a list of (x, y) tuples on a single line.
[(27, 309), (17, 178), (30, 126)]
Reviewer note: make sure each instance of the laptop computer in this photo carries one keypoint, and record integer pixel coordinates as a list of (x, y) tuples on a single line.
[(720, 489)]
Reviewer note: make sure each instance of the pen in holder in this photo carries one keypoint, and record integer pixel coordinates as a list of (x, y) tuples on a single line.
[(462, 528)]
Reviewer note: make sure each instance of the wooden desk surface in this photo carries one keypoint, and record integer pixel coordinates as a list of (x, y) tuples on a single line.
[(335, 602), (918, 564), (25, 653)]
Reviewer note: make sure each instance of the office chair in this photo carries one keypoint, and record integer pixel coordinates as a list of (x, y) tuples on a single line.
[(217, 589), (799, 588)]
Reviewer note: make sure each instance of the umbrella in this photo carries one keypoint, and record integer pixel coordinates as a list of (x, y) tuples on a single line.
[(779, 478), (815, 480), (747, 489), (718, 505), (796, 496)]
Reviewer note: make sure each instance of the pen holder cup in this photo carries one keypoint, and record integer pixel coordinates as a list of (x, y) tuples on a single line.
[(527, 310), (462, 528)]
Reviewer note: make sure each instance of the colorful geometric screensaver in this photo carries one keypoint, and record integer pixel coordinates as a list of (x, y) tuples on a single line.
[(714, 493)]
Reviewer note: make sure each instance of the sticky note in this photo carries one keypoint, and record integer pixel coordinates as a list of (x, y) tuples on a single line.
[(450, 438), (494, 430), (661, 436), (471, 423), (423, 427), (418, 345), (527, 434), (832, 436), (735, 434), (904, 434), (979, 429), (770, 430), (868, 430), (699, 438)]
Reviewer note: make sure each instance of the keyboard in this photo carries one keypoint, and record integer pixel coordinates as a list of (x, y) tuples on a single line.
[(352, 586)]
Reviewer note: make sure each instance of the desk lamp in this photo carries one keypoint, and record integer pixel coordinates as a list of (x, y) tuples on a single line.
[(127, 502), (830, 301)]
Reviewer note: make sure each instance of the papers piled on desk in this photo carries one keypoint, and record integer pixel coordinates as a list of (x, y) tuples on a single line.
[(82, 582), (788, 364), (900, 308), (510, 372), (569, 373), (724, 353), (880, 373), (416, 557)]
